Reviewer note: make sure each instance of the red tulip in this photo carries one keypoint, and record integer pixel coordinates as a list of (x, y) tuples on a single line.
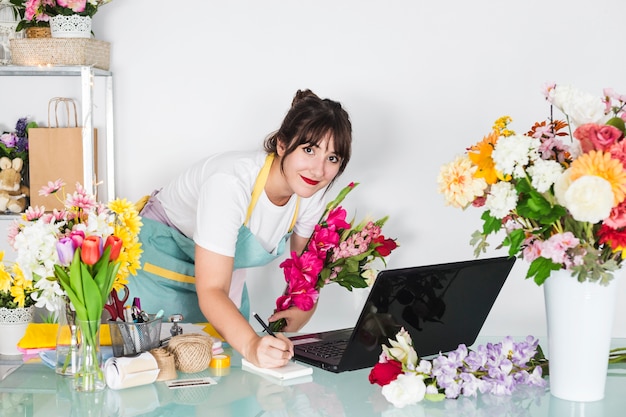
[(90, 251), (116, 246)]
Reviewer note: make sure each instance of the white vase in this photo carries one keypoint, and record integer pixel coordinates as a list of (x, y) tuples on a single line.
[(580, 321), (13, 324), (73, 26)]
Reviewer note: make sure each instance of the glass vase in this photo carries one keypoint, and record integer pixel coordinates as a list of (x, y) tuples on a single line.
[(67, 341), (89, 377)]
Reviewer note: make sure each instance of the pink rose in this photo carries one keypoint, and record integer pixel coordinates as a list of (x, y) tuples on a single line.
[(617, 218), (618, 151), (597, 137)]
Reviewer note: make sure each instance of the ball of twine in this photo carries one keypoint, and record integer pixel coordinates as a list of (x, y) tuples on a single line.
[(192, 352), (166, 363)]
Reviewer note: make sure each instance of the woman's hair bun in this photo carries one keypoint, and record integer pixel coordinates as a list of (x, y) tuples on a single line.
[(302, 95)]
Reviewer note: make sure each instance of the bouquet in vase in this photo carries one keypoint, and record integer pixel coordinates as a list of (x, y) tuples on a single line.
[(47, 242), (79, 253), (337, 252), (556, 192)]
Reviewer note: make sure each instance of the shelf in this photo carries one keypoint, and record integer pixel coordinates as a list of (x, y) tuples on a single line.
[(61, 71), (86, 74)]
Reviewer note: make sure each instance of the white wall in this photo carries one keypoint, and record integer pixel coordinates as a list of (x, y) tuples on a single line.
[(421, 80)]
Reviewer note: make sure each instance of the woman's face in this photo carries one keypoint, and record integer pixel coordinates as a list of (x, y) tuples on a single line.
[(310, 168)]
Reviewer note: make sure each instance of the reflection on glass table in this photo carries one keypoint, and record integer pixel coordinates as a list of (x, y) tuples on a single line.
[(36, 390)]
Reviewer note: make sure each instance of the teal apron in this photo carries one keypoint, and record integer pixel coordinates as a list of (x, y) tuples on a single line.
[(167, 277)]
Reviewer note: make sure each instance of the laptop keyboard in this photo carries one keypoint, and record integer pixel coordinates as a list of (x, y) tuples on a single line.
[(326, 349)]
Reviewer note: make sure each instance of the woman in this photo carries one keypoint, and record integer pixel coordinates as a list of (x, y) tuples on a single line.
[(237, 210)]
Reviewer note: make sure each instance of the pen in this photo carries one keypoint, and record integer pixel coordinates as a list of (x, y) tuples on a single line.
[(267, 329)]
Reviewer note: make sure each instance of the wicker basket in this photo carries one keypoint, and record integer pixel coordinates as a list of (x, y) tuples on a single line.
[(60, 51), (38, 32)]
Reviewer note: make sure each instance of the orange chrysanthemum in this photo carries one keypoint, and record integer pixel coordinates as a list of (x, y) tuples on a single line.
[(480, 155), (602, 165)]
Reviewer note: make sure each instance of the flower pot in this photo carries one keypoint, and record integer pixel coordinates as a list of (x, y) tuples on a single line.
[(73, 26), (38, 32), (13, 324), (580, 321)]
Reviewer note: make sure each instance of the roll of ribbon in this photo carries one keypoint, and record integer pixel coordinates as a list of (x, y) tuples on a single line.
[(123, 372)]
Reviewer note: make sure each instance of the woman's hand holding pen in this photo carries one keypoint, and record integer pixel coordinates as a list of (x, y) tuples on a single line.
[(280, 345), (269, 351)]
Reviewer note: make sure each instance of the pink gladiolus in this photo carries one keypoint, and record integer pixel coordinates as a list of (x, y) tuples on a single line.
[(337, 218), (298, 268), (302, 295), (323, 240)]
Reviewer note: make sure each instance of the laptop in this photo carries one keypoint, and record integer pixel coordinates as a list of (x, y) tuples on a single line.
[(441, 306)]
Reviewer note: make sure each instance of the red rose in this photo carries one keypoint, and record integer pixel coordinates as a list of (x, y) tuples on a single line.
[(386, 245), (384, 373)]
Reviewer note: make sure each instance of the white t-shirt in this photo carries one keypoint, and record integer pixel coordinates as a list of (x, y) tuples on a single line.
[(209, 203)]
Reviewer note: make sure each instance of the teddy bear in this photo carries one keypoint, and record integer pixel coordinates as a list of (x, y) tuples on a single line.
[(13, 193)]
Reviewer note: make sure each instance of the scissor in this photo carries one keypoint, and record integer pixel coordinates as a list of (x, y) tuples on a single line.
[(115, 306)]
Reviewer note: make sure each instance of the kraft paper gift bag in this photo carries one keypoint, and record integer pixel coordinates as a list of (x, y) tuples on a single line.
[(57, 153)]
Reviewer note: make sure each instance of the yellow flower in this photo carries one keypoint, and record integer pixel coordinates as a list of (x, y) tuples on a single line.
[(500, 125), (602, 165), (458, 183), (5, 278), (126, 226), (480, 155)]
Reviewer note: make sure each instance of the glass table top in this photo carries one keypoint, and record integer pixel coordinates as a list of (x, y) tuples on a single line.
[(33, 389)]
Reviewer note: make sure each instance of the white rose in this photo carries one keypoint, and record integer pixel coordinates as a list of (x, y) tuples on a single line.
[(405, 390), (581, 107), (561, 185), (589, 199)]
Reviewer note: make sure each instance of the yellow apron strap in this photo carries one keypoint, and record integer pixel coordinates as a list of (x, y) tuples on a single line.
[(295, 214), (139, 205), (259, 185)]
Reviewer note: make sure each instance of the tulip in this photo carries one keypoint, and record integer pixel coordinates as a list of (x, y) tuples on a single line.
[(77, 237), (90, 252), (65, 250), (116, 246)]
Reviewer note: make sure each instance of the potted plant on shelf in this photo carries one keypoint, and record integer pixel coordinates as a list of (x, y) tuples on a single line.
[(16, 307), (65, 18), (34, 21)]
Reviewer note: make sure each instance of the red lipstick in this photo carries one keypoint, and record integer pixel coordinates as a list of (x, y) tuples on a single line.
[(309, 181)]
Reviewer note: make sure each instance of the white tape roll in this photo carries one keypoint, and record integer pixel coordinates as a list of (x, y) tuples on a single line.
[(121, 373)]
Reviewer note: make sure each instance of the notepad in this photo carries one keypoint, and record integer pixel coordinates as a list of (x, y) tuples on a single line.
[(290, 371)]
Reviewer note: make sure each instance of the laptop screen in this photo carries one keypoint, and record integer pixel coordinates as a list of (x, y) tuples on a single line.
[(441, 306)]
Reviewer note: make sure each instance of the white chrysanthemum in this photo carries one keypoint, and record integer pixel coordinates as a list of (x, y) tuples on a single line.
[(589, 198), (544, 173), (36, 250), (99, 225), (581, 107), (405, 390), (513, 153), (502, 198), (48, 295)]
